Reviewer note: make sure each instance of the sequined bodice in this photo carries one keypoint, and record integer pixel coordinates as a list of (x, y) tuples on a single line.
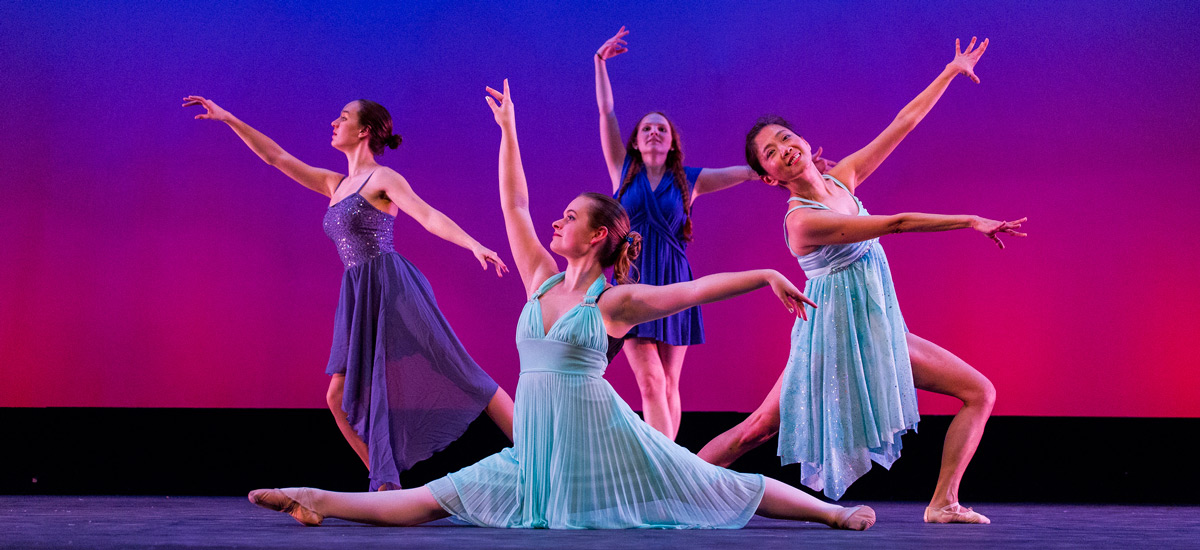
[(360, 231)]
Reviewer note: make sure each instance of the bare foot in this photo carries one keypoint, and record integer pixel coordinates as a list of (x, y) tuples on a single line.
[(858, 518), (276, 499), (954, 513)]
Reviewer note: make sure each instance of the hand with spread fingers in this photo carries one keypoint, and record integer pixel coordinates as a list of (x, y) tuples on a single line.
[(993, 228), (791, 296), (965, 61), (613, 46), (485, 256)]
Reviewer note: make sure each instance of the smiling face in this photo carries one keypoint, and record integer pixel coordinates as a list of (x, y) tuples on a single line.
[(573, 233), (782, 154), (347, 131)]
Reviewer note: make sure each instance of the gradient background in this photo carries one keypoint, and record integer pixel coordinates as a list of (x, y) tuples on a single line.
[(150, 260)]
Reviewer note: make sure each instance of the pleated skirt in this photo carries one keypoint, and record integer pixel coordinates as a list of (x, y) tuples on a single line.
[(583, 460)]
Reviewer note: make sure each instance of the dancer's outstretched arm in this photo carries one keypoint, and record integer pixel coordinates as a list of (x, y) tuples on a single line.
[(533, 261), (610, 131), (318, 179), (820, 227), (855, 168), (433, 220), (627, 305)]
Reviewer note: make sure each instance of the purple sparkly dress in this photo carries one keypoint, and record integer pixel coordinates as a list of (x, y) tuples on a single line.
[(411, 388)]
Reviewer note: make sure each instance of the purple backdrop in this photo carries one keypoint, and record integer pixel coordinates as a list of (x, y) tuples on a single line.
[(152, 260)]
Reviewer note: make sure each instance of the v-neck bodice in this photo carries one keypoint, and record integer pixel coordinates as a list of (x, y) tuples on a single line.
[(576, 342)]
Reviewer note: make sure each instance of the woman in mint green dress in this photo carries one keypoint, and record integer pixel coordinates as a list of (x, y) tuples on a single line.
[(848, 391), (581, 458)]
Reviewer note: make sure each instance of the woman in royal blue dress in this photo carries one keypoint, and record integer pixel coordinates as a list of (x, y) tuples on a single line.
[(401, 385), (847, 393), (581, 458), (649, 178)]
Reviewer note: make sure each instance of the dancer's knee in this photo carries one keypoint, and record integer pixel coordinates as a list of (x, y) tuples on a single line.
[(652, 384), (333, 396), (756, 430), (982, 395)]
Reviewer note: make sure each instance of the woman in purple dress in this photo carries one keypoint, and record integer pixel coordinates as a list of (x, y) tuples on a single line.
[(650, 180), (402, 387)]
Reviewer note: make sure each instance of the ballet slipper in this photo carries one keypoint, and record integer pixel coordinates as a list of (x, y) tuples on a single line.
[(858, 518), (276, 499), (954, 513)]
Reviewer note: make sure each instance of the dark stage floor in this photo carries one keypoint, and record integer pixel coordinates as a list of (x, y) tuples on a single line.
[(232, 522)]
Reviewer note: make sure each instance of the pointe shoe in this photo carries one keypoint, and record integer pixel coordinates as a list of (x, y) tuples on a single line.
[(276, 499), (858, 518), (954, 513)]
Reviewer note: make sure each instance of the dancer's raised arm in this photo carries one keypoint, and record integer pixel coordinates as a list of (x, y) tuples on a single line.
[(821, 227), (627, 305), (318, 179), (610, 132), (533, 261), (855, 168)]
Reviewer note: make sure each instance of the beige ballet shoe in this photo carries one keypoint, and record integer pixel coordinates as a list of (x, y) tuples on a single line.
[(276, 499), (954, 513), (858, 518)]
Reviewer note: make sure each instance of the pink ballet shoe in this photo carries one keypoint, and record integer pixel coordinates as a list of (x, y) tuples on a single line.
[(276, 499), (858, 518), (954, 513)]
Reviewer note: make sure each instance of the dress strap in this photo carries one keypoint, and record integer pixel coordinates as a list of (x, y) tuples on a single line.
[(594, 291), (364, 183), (844, 188), (547, 285)]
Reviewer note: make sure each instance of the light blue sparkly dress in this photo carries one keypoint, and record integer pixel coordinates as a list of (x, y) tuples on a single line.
[(848, 392), (581, 458)]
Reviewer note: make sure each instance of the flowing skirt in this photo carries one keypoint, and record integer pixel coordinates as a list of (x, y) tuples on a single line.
[(411, 389)]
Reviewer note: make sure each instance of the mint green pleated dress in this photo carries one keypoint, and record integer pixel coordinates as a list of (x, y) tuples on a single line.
[(581, 458), (847, 393)]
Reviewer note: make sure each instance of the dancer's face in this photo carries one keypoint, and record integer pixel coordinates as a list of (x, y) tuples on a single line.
[(347, 132), (573, 233), (783, 154), (654, 135)]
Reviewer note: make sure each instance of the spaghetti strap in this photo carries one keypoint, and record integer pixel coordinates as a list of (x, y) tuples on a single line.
[(364, 183)]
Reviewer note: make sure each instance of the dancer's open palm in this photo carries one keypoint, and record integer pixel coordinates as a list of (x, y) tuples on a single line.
[(965, 61)]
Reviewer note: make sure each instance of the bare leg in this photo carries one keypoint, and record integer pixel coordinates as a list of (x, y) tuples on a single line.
[(755, 430), (333, 398), (782, 501), (671, 359), (939, 371), (648, 369), (500, 410), (403, 507)]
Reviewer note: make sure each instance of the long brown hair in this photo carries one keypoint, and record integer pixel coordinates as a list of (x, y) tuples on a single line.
[(622, 246), (674, 164)]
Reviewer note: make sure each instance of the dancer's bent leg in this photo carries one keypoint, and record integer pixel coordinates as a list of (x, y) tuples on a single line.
[(500, 410), (939, 371), (333, 397)]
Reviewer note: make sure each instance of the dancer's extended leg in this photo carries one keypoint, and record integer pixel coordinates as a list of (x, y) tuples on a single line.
[(401, 508), (939, 371), (782, 501), (333, 397), (756, 429)]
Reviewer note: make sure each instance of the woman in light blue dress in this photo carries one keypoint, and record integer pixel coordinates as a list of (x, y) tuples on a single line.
[(581, 458), (848, 391)]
